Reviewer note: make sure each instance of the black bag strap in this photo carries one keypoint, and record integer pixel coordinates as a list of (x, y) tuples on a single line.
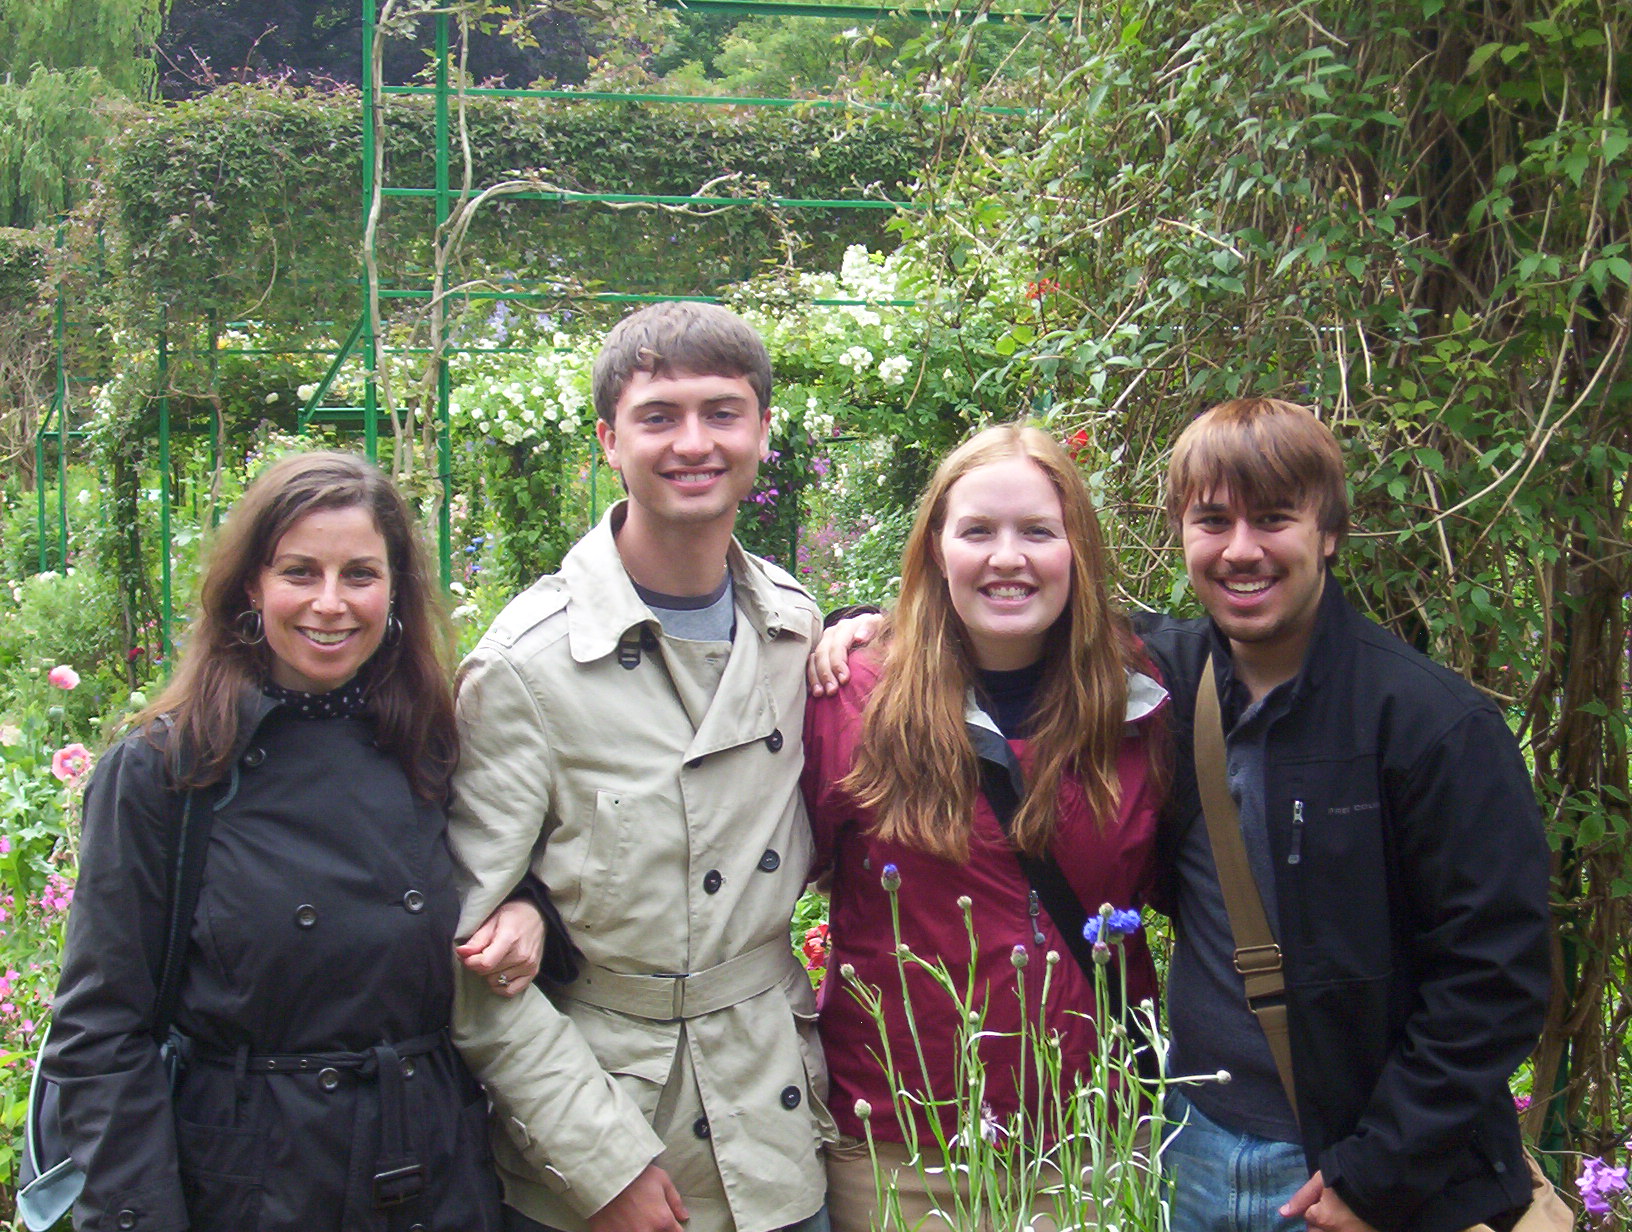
[(1053, 893), (1048, 883), (1257, 956), (186, 879)]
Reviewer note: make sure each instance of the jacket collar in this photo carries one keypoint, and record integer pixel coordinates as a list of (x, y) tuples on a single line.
[(1327, 645), (1145, 697), (603, 606), (253, 707)]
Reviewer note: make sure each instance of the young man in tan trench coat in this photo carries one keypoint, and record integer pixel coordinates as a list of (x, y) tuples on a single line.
[(630, 732)]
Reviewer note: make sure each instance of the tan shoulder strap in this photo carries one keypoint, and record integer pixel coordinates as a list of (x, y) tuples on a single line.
[(1257, 957)]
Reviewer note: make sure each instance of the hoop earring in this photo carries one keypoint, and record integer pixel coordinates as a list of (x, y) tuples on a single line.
[(393, 628), (250, 627)]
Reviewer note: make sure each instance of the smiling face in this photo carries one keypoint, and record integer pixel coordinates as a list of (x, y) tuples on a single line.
[(688, 448), (324, 598), (1007, 562), (1259, 573)]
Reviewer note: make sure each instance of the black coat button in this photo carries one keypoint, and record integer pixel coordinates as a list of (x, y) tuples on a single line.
[(790, 1097), (252, 758), (413, 902), (774, 741), (407, 1067), (769, 862), (305, 915), (700, 1127), (712, 881), (127, 1219), (328, 1079)]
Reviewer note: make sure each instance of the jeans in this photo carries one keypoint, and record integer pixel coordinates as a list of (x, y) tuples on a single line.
[(515, 1221), (1225, 1181)]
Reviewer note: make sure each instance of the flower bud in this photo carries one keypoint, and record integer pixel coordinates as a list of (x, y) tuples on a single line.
[(848, 971), (1052, 957), (965, 902), (1102, 953), (1222, 1077), (1019, 957), (891, 880), (863, 1110)]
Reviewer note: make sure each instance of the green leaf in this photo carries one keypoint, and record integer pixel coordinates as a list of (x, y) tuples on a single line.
[(1481, 55)]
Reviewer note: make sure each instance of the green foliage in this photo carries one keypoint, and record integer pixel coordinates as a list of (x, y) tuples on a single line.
[(247, 198), (1416, 217), (113, 37), (52, 127)]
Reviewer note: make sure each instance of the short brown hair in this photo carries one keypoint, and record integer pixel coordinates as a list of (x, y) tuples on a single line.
[(679, 336), (1265, 453)]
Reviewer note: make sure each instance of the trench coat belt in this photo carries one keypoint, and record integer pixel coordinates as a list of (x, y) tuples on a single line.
[(666, 997), (398, 1176)]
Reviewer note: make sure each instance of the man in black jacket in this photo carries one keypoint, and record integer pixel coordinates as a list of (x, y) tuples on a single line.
[(1389, 821)]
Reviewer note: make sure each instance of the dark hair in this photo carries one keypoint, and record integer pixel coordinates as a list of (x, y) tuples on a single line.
[(679, 336), (408, 690), (1265, 453)]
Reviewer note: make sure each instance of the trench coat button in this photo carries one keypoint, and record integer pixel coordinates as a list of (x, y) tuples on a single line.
[(700, 1128), (712, 881), (127, 1220), (769, 862), (790, 1097), (416, 1227), (774, 741), (254, 757), (694, 763), (414, 902), (305, 915), (328, 1079)]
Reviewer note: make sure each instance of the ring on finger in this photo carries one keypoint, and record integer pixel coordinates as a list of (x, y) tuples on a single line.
[(503, 981)]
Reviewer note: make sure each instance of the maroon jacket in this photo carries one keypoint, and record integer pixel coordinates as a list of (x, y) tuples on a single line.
[(1105, 861)]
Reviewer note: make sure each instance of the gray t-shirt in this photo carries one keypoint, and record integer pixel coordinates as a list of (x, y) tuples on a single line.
[(1212, 1026), (695, 618)]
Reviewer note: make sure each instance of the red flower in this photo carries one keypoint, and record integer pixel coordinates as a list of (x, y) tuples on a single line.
[(1077, 443), (815, 948), (1040, 288)]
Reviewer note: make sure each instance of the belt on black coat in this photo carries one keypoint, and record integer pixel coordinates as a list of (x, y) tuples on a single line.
[(398, 1176)]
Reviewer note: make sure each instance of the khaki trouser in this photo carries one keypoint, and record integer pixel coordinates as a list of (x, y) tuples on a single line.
[(852, 1192)]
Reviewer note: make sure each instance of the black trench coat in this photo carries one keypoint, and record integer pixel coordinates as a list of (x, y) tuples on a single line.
[(316, 997)]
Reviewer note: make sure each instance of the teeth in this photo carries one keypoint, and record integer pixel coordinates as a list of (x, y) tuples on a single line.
[(1008, 592), (1248, 586), (691, 476), (325, 638)]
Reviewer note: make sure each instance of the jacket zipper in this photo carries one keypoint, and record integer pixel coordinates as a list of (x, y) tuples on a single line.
[(1295, 856)]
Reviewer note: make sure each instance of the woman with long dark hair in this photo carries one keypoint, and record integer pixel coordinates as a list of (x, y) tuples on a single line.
[(310, 721), (1003, 651)]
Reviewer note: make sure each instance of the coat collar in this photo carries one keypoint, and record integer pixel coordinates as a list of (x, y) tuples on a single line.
[(603, 606), (1145, 697)]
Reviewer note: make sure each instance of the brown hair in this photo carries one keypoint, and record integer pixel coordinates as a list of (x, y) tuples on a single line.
[(408, 689), (679, 336), (1265, 453), (915, 767)]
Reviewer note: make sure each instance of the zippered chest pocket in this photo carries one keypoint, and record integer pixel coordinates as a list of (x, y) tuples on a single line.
[(1335, 858)]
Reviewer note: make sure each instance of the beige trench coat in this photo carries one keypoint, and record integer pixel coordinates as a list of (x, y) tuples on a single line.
[(670, 846)]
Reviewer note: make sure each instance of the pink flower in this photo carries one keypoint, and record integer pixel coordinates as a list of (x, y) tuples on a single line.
[(63, 676), (71, 761)]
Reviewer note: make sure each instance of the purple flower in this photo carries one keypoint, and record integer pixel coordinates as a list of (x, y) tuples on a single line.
[(891, 880), (1598, 1182), (1118, 924)]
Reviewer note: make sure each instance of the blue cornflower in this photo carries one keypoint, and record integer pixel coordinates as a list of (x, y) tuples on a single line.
[(1117, 925), (891, 880)]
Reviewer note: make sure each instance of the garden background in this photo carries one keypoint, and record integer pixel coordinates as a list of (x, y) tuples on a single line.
[(1413, 214)]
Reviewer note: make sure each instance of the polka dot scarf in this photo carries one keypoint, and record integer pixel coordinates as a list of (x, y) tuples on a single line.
[(349, 701)]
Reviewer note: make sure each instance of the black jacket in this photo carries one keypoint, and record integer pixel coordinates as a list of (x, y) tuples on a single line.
[(324, 926), (1413, 914)]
